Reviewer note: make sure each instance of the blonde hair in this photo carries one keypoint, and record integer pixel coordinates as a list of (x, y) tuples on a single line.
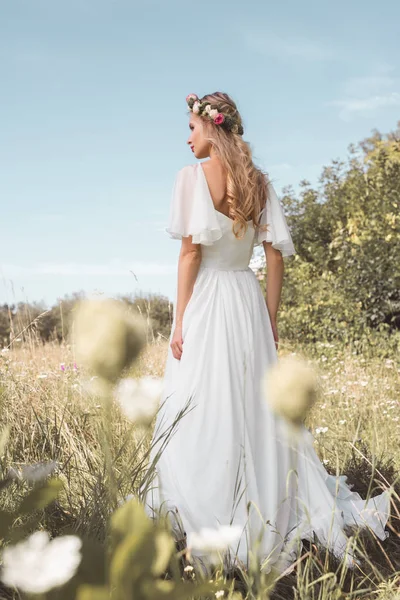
[(247, 184)]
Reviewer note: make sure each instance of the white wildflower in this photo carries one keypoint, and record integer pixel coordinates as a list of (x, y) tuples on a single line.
[(196, 107), (38, 471), (139, 398), (219, 594), (321, 430), (188, 568), (213, 113), (342, 421), (36, 565)]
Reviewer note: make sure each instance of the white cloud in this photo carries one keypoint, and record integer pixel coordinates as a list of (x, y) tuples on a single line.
[(365, 94), (111, 269), (369, 84), (365, 106)]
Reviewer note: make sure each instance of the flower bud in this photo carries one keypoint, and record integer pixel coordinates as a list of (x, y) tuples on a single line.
[(290, 387), (107, 337)]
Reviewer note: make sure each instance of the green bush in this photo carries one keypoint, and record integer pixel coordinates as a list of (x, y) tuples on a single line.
[(344, 282)]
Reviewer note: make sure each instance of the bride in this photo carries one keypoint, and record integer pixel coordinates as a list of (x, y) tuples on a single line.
[(231, 461)]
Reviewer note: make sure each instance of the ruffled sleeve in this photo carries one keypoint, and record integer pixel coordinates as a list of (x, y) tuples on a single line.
[(190, 211), (278, 231)]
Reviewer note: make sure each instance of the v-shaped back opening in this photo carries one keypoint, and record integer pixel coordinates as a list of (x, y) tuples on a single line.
[(200, 166)]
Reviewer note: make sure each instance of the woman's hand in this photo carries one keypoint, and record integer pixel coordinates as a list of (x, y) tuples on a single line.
[(274, 326), (177, 342)]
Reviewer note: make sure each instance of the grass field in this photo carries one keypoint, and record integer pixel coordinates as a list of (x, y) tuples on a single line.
[(51, 415)]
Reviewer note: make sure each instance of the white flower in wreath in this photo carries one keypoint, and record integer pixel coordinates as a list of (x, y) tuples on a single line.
[(208, 109), (213, 113), (196, 107)]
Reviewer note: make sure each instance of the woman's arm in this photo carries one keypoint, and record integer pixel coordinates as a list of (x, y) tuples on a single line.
[(275, 270), (188, 268)]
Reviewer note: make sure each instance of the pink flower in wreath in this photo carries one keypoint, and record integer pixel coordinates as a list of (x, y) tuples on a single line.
[(219, 119), (194, 96)]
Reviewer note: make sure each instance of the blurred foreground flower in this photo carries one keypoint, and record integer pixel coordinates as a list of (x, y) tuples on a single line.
[(33, 473), (290, 386), (108, 337), (214, 540), (37, 564), (139, 398)]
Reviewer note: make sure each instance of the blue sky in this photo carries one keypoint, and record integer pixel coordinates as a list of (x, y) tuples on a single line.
[(94, 127)]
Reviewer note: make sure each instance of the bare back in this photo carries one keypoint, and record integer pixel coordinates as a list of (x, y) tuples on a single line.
[(216, 181)]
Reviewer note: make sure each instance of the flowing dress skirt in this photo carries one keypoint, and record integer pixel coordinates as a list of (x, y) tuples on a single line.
[(230, 459)]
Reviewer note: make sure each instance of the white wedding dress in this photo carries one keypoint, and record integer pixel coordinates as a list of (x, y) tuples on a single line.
[(229, 449)]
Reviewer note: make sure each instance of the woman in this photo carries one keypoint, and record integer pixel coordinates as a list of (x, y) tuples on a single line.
[(230, 460)]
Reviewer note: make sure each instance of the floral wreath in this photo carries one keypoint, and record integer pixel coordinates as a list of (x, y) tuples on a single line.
[(206, 109)]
